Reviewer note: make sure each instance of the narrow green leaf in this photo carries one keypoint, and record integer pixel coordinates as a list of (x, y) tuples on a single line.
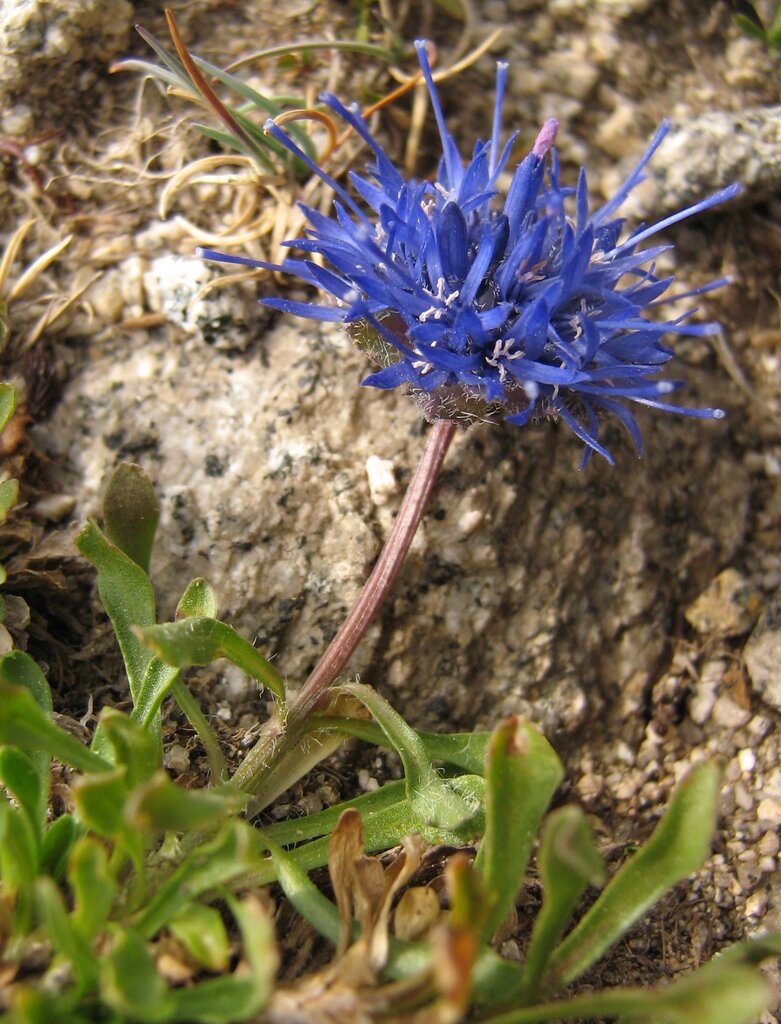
[(131, 512), (93, 885), (436, 802), (157, 684), (19, 774), (200, 640), (232, 853), (8, 396), (753, 950), (465, 750), (199, 599), (9, 495), (678, 846), (136, 749), (18, 850), (750, 28), (100, 801), (190, 707), (19, 669), (24, 724), (57, 845), (304, 895), (201, 931), (522, 774), (714, 994), (239, 996), (568, 861), (66, 939), (160, 805), (322, 823), (127, 596), (130, 983)]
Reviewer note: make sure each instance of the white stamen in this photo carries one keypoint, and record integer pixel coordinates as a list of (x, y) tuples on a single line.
[(423, 366), (437, 312)]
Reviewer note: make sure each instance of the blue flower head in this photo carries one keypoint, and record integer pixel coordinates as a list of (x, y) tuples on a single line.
[(526, 304)]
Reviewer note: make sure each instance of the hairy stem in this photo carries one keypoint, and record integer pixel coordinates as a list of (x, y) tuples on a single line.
[(279, 737)]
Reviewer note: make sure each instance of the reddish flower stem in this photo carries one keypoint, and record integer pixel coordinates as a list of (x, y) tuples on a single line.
[(279, 738)]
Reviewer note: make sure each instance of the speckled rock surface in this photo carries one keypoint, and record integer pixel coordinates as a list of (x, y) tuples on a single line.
[(55, 48)]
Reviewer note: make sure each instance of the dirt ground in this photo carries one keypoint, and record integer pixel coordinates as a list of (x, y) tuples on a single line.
[(612, 606)]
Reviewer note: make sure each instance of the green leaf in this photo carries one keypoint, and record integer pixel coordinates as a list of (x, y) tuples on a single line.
[(232, 853), (237, 997), (100, 801), (201, 931), (9, 495), (19, 669), (101, 804), (8, 395), (135, 748), (131, 512), (199, 599), (57, 845), (568, 861), (465, 750), (714, 994), (189, 706), (439, 805), (130, 983), (158, 681), (24, 724), (678, 846), (127, 596), (18, 849), (750, 28), (200, 640), (161, 805), (304, 895), (93, 885), (322, 823), (19, 774), (522, 774), (66, 939)]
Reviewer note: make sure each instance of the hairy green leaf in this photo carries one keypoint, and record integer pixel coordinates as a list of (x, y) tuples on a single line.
[(131, 512), (568, 861), (127, 596), (678, 846), (438, 805), (200, 640), (522, 774)]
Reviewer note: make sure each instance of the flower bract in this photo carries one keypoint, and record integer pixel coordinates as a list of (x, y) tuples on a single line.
[(523, 302)]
